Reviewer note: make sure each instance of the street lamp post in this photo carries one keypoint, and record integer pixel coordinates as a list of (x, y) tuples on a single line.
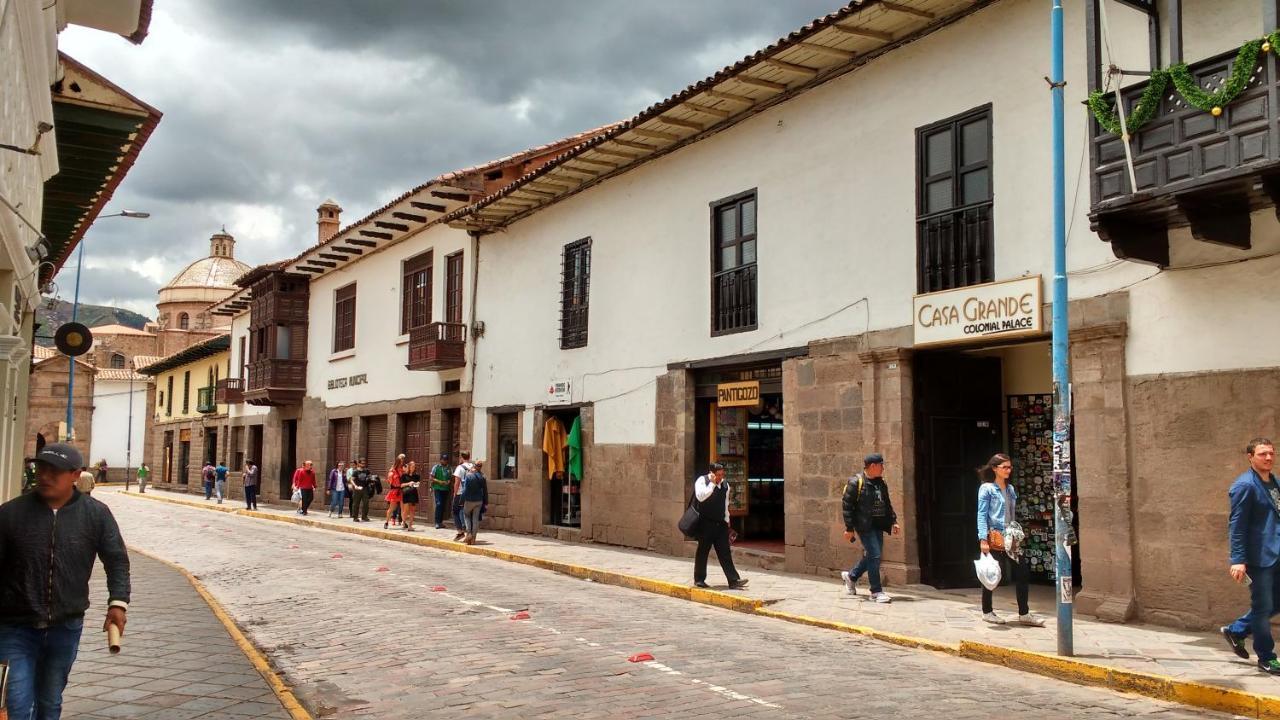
[(75, 313)]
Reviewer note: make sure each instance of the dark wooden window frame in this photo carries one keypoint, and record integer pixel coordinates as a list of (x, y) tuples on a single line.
[(983, 210), (415, 293), (751, 268), (575, 293), (344, 318), (186, 392), (454, 271), (168, 408)]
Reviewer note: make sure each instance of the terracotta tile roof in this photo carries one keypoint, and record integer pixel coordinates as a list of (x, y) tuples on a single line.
[(212, 346), (120, 374), (141, 361), (116, 329), (825, 48), (40, 352)]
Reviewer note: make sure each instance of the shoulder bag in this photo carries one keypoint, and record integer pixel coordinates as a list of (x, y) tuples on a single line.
[(692, 519)]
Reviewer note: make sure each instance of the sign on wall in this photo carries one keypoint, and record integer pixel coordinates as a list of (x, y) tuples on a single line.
[(559, 392), (350, 381), (738, 394), (1011, 308)]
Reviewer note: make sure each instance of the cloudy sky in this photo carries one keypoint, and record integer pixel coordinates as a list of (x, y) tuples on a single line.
[(271, 106)]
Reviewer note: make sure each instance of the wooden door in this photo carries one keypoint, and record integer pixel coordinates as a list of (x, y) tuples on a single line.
[(958, 411), (414, 438), (376, 454), (339, 441), (451, 429)]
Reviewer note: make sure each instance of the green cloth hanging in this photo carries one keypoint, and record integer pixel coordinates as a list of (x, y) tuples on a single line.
[(575, 450)]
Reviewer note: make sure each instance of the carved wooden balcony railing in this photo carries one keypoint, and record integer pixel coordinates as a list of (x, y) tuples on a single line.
[(437, 346)]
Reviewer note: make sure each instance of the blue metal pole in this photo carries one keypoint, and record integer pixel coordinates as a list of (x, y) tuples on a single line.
[(71, 362), (1061, 376)]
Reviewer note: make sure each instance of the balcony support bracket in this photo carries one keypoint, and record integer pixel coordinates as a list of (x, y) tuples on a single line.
[(1221, 220), (1138, 241)]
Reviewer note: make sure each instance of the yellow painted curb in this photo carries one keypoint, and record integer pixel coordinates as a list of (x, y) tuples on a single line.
[(1159, 687), (260, 661)]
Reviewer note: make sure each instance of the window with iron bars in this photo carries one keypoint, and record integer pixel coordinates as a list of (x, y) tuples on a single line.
[(575, 294), (733, 267), (954, 233)]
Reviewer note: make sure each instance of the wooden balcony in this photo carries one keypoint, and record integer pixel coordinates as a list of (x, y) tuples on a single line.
[(229, 391), (205, 400), (1193, 169), (276, 382), (438, 346)]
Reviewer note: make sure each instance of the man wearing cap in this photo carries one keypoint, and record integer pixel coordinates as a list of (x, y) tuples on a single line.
[(868, 514), (48, 541), (712, 493)]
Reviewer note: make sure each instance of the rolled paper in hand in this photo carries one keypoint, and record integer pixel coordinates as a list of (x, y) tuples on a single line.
[(113, 639)]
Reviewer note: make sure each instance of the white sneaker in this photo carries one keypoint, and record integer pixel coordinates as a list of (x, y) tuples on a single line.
[(993, 618), (848, 583), (1030, 621), (882, 598)]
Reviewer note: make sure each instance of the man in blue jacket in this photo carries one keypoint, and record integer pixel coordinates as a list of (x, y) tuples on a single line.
[(1254, 534)]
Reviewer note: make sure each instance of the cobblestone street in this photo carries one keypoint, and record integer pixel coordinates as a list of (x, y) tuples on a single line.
[(369, 628), (177, 661)]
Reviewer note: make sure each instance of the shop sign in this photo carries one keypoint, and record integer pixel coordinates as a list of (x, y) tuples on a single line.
[(1011, 308), (559, 392), (738, 394), (350, 381)]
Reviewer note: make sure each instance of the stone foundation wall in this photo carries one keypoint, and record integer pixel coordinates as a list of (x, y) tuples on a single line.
[(1189, 434)]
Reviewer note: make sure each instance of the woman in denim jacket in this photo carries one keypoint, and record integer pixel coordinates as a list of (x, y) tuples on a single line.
[(997, 503)]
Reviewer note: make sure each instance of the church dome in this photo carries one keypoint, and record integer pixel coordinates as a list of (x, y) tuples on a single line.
[(208, 279)]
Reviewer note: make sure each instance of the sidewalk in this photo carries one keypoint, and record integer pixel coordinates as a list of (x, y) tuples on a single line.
[(177, 661), (921, 617)]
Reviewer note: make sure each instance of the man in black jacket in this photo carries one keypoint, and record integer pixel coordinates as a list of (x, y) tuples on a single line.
[(48, 540), (868, 514), (712, 493)]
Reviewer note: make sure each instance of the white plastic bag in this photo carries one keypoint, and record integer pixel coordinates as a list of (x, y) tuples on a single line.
[(988, 570), (297, 494)]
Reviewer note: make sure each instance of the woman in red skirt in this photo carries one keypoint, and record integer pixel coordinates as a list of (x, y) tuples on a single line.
[(394, 495)]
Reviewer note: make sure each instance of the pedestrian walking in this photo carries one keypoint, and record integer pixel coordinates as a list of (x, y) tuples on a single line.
[(460, 472), (868, 515), (1000, 536), (712, 494), (336, 486), (207, 475), (395, 514), (49, 540), (144, 474), (304, 480), (84, 483), (220, 480), (394, 493), (475, 496), (440, 486), (101, 476), (410, 481), (351, 491), (252, 482), (1254, 539), (362, 490)]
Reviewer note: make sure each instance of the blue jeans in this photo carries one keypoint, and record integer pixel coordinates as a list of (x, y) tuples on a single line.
[(335, 502), (1263, 593), (459, 522), (442, 501), (872, 545), (208, 490), (39, 662)]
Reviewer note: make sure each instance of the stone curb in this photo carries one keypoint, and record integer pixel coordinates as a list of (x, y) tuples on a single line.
[(260, 662), (1159, 687)]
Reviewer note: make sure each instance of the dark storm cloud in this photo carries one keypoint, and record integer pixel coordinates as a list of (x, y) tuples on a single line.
[(271, 107)]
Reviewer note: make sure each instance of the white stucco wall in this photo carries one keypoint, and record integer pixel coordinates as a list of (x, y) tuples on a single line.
[(836, 181), (380, 350), (240, 329), (111, 426)]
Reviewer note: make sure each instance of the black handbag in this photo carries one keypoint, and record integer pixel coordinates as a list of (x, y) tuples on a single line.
[(691, 521)]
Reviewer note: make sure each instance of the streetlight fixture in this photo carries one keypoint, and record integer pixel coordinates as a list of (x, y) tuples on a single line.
[(75, 312)]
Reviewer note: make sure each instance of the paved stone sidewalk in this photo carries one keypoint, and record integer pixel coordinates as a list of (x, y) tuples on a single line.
[(177, 661), (916, 611)]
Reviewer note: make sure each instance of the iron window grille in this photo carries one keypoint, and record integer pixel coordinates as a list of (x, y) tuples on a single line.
[(955, 244), (575, 294)]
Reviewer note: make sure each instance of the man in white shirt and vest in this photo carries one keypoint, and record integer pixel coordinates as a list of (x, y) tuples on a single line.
[(712, 493)]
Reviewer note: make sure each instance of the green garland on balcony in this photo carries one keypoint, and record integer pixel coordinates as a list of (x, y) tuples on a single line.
[(1104, 110), (1185, 83)]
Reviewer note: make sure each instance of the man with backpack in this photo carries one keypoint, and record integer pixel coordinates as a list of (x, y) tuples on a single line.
[(868, 514), (441, 482), (207, 474)]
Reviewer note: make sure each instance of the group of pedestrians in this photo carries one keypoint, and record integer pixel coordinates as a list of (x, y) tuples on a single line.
[(462, 488), (215, 480)]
